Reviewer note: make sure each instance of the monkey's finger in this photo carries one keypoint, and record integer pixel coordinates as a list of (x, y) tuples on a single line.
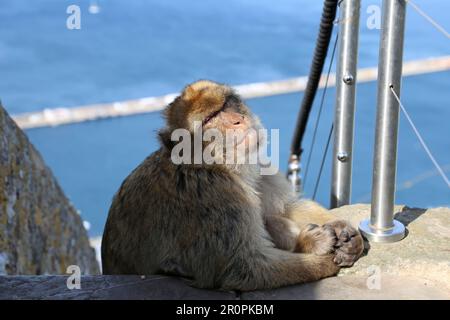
[(311, 226), (348, 232), (344, 260), (354, 246)]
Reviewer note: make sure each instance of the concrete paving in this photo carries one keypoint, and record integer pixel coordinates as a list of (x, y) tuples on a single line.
[(422, 257)]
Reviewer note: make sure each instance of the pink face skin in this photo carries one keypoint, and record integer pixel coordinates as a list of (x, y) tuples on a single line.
[(239, 123)]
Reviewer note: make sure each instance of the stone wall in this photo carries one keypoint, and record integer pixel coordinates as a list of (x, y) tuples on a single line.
[(40, 231)]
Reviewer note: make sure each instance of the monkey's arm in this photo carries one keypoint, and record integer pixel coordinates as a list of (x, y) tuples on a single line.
[(268, 267)]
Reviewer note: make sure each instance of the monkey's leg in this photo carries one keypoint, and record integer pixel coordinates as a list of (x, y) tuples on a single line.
[(271, 268), (285, 228), (283, 231), (278, 200), (317, 225), (305, 212)]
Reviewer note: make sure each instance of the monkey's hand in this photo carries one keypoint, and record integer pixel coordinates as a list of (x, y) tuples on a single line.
[(318, 240), (349, 243)]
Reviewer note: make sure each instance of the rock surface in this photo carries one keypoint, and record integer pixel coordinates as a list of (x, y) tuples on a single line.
[(40, 231), (417, 267)]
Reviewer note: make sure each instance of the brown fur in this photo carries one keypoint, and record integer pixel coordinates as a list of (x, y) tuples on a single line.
[(224, 227)]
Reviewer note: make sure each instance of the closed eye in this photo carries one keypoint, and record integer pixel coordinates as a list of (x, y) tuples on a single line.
[(229, 102), (211, 116)]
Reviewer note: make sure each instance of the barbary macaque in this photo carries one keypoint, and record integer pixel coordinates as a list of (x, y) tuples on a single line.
[(220, 223)]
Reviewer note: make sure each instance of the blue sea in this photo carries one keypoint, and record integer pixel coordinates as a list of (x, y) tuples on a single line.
[(140, 48)]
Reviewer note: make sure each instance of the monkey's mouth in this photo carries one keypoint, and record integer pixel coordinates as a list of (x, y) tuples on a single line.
[(251, 140), (242, 137)]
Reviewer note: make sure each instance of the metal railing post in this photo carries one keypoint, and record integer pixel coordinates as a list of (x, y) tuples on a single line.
[(382, 227), (293, 174), (341, 181)]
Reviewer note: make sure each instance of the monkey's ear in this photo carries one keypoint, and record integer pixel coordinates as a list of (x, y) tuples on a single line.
[(164, 138)]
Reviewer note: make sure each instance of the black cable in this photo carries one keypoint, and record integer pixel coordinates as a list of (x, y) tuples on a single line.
[(320, 53), (313, 141), (323, 162)]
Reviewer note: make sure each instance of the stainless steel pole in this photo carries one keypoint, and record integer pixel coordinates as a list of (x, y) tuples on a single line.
[(341, 184), (294, 174), (382, 227)]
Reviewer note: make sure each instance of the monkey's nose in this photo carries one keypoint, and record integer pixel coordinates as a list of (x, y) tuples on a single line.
[(240, 120)]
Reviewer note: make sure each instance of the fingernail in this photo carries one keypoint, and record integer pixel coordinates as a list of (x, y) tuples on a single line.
[(345, 235)]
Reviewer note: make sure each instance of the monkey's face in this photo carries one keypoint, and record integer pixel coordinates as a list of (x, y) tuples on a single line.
[(228, 129)]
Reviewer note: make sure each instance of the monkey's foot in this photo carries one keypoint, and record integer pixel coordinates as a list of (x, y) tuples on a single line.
[(349, 243), (316, 240)]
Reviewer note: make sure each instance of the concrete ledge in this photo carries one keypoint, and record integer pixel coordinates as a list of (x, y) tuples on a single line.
[(417, 267), (355, 288), (127, 287), (171, 288)]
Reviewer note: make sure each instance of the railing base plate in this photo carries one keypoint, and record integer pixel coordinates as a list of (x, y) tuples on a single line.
[(395, 234)]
